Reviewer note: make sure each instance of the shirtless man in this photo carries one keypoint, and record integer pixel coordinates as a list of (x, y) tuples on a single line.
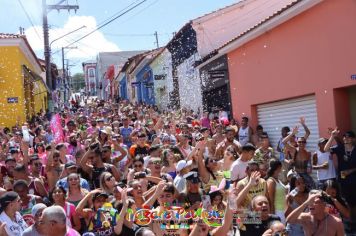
[(218, 137), (316, 222), (229, 140), (53, 168)]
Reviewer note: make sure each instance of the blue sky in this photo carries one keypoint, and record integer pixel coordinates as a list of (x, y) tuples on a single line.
[(133, 31)]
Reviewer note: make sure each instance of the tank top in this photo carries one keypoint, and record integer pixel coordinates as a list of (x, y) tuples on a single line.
[(96, 174), (259, 189), (324, 174), (279, 196), (243, 135), (25, 210), (32, 188), (219, 175)]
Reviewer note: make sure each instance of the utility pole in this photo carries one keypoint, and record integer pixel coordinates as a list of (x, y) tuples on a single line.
[(156, 34), (65, 75), (47, 50)]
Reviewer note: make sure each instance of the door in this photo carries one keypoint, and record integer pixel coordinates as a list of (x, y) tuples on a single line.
[(273, 116)]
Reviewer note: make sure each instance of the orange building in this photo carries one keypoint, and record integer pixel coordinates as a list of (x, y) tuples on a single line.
[(299, 61)]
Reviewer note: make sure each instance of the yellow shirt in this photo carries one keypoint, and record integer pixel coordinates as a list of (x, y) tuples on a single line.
[(219, 175), (259, 189)]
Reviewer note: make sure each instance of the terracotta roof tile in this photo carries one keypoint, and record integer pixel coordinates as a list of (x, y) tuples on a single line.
[(10, 36)]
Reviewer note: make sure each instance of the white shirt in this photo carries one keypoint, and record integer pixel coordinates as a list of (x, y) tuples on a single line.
[(244, 135), (13, 228), (324, 174), (179, 183), (238, 169)]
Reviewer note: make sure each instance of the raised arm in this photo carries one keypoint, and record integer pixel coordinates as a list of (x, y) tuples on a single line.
[(121, 216), (333, 135), (50, 157), (243, 190), (294, 132), (296, 216), (158, 192), (224, 229), (84, 162), (203, 172), (118, 148), (307, 131)]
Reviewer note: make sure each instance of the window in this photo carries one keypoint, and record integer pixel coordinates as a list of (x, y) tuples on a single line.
[(91, 72)]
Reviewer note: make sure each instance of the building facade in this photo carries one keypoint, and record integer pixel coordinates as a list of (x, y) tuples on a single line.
[(163, 80), (89, 70), (297, 62), (24, 91)]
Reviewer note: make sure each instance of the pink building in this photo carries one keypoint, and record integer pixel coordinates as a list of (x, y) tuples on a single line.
[(299, 61)]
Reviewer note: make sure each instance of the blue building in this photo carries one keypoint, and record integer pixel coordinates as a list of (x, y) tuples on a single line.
[(123, 88), (145, 85)]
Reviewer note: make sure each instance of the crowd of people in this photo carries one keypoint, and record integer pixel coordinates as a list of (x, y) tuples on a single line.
[(116, 168)]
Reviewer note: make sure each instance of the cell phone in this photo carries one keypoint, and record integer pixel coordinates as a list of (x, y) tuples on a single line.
[(294, 192), (206, 201)]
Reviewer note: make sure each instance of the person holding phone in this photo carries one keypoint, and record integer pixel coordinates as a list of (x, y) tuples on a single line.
[(297, 196)]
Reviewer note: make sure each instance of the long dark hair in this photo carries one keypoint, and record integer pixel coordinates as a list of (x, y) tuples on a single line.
[(274, 164), (293, 181), (333, 184), (206, 161)]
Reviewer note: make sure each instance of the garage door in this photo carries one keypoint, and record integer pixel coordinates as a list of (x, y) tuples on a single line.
[(274, 116)]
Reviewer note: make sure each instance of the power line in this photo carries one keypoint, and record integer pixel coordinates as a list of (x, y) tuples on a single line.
[(104, 21), (29, 19), (86, 35)]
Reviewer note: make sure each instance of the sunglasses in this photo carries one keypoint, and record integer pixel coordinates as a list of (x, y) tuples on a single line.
[(105, 151), (301, 142), (213, 161), (156, 162), (281, 233), (38, 164), (109, 178), (73, 179)]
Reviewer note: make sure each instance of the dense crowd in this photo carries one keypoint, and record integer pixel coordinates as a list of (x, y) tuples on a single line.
[(115, 168)]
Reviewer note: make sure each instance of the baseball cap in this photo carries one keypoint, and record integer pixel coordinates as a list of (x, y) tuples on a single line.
[(97, 195), (350, 134), (37, 207), (182, 164), (192, 176), (322, 140), (69, 164), (290, 173), (202, 130), (7, 198)]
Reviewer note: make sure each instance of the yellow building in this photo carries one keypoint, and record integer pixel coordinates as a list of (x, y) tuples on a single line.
[(23, 92)]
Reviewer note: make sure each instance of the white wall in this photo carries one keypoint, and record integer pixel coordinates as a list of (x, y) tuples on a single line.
[(189, 85), (162, 65)]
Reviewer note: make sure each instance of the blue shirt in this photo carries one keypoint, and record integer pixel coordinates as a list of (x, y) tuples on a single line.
[(64, 183)]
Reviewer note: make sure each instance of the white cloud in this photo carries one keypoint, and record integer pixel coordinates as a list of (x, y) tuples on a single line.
[(88, 47)]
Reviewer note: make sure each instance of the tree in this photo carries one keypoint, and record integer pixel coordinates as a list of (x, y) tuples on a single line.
[(77, 82)]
